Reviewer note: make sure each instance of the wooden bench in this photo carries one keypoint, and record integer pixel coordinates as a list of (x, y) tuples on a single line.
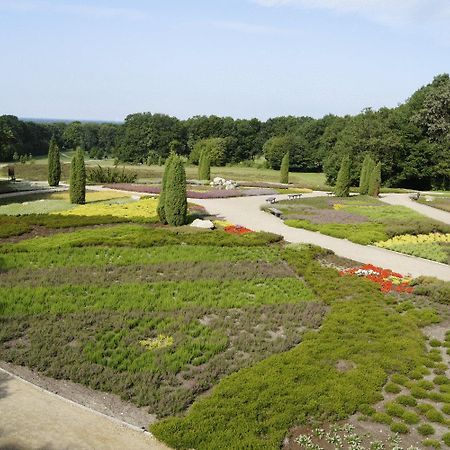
[(294, 196), (415, 196), (330, 193), (275, 212), (271, 200)]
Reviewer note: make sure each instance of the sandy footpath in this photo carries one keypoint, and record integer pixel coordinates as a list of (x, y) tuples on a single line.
[(32, 418)]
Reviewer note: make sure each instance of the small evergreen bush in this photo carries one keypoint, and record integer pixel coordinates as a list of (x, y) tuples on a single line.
[(175, 206), (375, 181), (78, 179), (162, 195), (54, 163), (284, 170), (342, 187), (366, 169)]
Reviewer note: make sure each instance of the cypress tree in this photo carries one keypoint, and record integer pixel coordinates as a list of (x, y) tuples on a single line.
[(78, 179), (375, 181), (204, 166), (162, 195), (366, 171), (284, 170), (54, 163), (175, 206), (342, 187)]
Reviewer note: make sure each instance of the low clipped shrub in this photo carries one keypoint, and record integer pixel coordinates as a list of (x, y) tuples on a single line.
[(424, 384), (392, 388), (440, 369), (424, 407), (399, 427), (426, 429), (417, 374), (410, 417), (381, 417), (433, 415), (438, 397), (435, 343), (446, 409), (110, 175), (399, 379), (446, 439), (433, 443), (418, 392), (406, 400), (444, 388), (435, 355), (441, 379), (366, 409), (394, 409)]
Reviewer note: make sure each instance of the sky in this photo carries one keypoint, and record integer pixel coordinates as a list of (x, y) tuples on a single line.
[(104, 59)]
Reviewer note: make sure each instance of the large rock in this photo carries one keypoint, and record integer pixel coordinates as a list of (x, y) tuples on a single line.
[(199, 223)]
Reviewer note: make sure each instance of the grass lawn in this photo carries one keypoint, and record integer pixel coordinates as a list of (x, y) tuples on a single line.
[(37, 171), (161, 316), (366, 220)]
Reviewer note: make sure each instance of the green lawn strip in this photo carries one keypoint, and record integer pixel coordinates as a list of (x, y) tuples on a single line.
[(143, 236), (255, 407), (153, 296), (102, 256), (439, 202), (35, 207), (436, 251)]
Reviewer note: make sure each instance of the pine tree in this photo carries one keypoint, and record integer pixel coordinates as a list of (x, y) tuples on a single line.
[(54, 163), (342, 187), (284, 170), (204, 166), (375, 181), (175, 206), (78, 179), (366, 170), (162, 195)]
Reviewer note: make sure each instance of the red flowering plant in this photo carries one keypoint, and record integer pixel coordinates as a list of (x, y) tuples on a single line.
[(237, 229), (388, 280)]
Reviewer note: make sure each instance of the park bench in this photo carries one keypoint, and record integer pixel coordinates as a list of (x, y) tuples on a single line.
[(294, 196), (330, 193), (276, 212), (271, 200), (415, 196)]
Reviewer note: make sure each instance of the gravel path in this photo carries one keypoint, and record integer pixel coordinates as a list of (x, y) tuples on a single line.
[(429, 211), (246, 211), (32, 418)]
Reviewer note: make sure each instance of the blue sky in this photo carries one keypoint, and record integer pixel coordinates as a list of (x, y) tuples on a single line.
[(243, 58)]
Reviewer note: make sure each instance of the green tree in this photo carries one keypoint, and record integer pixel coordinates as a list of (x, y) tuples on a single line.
[(54, 163), (175, 206), (204, 166), (375, 181), (78, 179), (366, 170), (284, 171), (342, 187), (162, 195)]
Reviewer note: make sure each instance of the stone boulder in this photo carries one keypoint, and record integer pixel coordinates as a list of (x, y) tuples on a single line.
[(199, 223)]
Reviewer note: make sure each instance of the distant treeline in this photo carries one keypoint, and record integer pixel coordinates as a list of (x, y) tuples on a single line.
[(412, 141)]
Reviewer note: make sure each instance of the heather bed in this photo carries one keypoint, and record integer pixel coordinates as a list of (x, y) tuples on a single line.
[(360, 219)]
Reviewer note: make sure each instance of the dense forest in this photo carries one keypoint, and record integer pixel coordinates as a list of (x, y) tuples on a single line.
[(412, 141)]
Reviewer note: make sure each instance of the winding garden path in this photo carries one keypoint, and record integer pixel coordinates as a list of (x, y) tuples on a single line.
[(33, 418), (246, 211)]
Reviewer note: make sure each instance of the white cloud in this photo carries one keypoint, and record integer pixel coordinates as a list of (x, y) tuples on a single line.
[(250, 28), (31, 6), (392, 12)]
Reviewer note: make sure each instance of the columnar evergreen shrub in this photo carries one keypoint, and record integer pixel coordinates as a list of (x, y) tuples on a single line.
[(54, 163), (366, 170), (162, 195), (342, 187), (375, 181), (175, 206), (204, 166), (284, 170), (78, 179)]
